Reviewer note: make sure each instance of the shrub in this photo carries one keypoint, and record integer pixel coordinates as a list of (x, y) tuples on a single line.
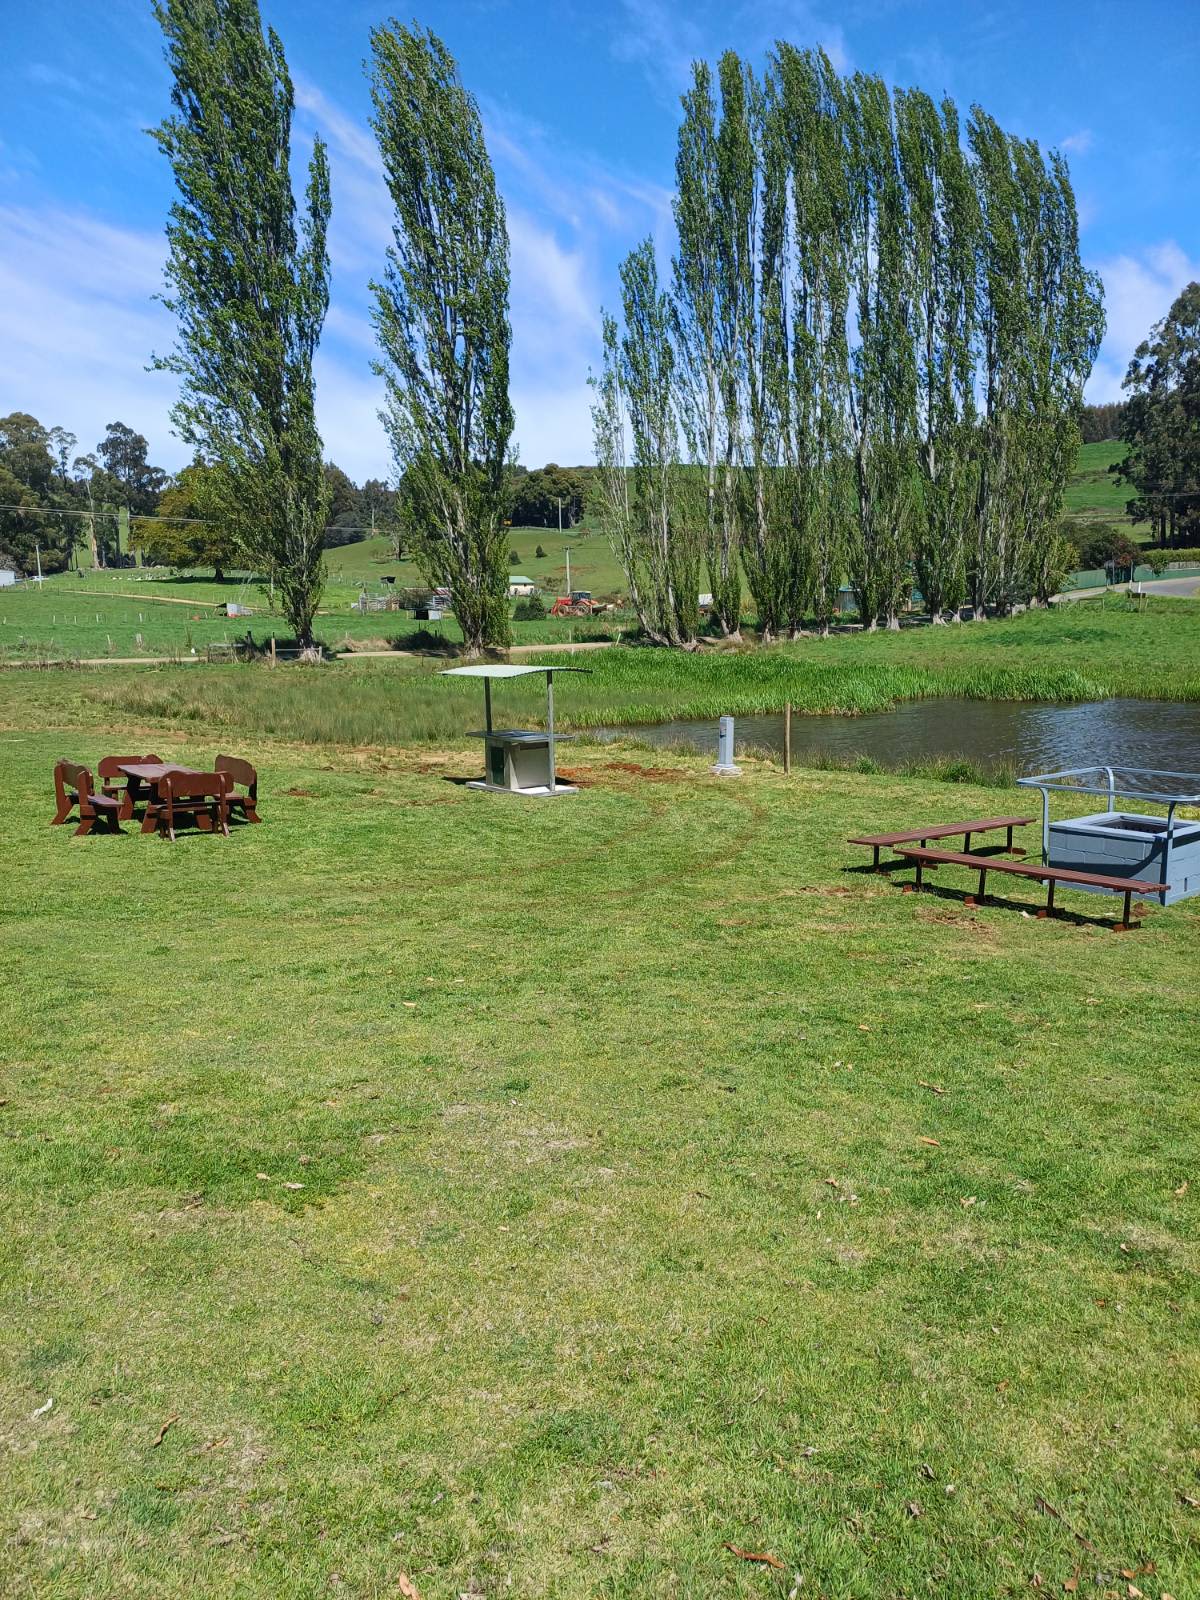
[(1109, 547), (530, 609), (540, 553), (513, 558)]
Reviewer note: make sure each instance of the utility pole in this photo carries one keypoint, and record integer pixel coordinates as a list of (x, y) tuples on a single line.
[(38, 552), (560, 516), (568, 573)]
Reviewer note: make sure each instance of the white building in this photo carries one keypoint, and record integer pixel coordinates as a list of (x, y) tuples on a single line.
[(7, 577), (520, 586)]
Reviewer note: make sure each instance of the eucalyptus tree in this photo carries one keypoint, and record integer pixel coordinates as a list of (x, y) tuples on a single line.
[(653, 507), (1161, 420), (441, 317), (882, 395), (248, 286), (943, 235)]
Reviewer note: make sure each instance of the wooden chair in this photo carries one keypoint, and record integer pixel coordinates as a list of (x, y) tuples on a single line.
[(112, 779), (73, 787), (240, 771), (114, 782), (202, 796)]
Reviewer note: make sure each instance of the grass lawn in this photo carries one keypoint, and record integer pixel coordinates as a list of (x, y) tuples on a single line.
[(538, 1199)]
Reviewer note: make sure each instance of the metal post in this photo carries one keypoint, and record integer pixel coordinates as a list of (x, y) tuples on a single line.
[(1045, 825), (1168, 845), (725, 766), (1112, 791), (787, 739), (487, 704), (550, 725), (568, 555)]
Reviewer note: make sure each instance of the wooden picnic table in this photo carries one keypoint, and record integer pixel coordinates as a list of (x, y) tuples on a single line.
[(943, 830), (144, 778)]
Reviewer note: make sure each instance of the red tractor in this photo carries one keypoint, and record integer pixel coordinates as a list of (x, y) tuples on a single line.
[(578, 603)]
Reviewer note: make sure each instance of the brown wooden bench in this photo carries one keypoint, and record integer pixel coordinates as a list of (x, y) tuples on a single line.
[(943, 830), (201, 796), (73, 787), (240, 771), (1048, 875)]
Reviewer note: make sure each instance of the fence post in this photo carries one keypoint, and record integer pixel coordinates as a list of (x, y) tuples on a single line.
[(787, 736), (272, 649)]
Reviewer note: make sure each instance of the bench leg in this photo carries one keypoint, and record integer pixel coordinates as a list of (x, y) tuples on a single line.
[(981, 893), (966, 844), (1124, 925), (1049, 911), (62, 812), (86, 824), (874, 865)]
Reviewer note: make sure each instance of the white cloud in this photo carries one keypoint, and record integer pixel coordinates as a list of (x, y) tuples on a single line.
[(1077, 144), (1138, 291)]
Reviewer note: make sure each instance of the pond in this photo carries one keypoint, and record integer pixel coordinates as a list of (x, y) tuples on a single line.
[(1033, 738)]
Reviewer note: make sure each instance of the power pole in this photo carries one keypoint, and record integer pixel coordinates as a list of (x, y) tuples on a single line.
[(560, 516), (568, 574), (38, 552)]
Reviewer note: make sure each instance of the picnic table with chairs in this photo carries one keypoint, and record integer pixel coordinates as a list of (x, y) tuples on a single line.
[(167, 793)]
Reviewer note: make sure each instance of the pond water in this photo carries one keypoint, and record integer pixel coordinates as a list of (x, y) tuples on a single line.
[(1034, 738)]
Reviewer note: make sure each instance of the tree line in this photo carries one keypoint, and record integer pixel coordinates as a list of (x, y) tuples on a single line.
[(868, 360)]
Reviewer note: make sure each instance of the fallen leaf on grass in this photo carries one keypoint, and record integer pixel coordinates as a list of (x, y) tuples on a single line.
[(864, 1027), (1190, 1500), (42, 1410), (407, 1587), (293, 1186), (263, 1177), (934, 1088), (923, 1138), (926, 1471), (1070, 1585), (1179, 1193), (162, 1432), (833, 1183), (763, 1556), (410, 1004), (967, 1200), (913, 1508)]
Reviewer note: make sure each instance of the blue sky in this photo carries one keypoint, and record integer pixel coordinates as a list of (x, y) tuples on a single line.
[(580, 107)]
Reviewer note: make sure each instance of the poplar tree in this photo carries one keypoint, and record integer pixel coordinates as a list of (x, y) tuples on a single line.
[(882, 366), (441, 316), (943, 231), (249, 288), (649, 507), (804, 121), (714, 206)]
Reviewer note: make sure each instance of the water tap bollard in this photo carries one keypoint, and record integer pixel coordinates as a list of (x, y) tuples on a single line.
[(725, 762)]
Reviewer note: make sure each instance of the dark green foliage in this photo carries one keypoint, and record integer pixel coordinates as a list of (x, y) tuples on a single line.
[(1161, 423), (441, 315), (530, 608), (535, 496), (1098, 424), (249, 288), (124, 455)]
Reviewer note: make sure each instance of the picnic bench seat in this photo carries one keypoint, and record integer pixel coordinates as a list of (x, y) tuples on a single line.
[(202, 796), (240, 771), (943, 830), (922, 858), (73, 787)]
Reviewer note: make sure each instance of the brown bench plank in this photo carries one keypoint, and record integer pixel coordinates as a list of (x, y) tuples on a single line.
[(1128, 887), (941, 830)]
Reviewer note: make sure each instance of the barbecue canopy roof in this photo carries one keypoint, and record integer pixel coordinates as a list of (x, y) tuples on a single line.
[(503, 671)]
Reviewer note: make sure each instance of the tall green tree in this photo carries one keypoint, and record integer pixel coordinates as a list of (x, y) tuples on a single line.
[(248, 283), (943, 238), (804, 126), (441, 317), (1161, 422), (192, 527), (716, 180), (882, 407), (653, 506)]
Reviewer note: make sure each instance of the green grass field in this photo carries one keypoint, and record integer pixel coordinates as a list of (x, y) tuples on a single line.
[(429, 1192), (92, 614), (1086, 651)]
